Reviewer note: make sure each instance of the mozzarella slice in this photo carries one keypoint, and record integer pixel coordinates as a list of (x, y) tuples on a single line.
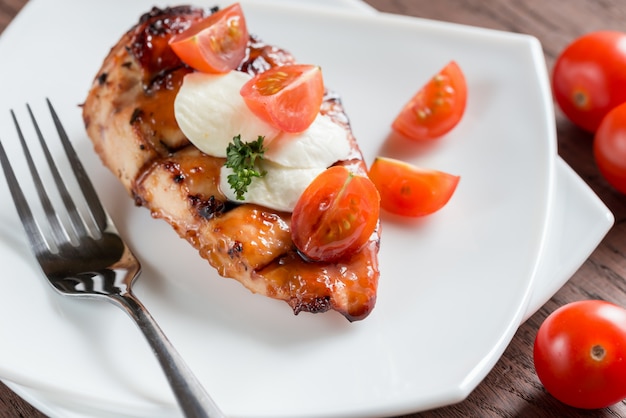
[(279, 189), (321, 145), (210, 111)]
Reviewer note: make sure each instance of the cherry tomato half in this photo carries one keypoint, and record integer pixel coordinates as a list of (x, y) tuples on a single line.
[(335, 216), (288, 97), (436, 108), (580, 354), (589, 77), (411, 191), (609, 147), (216, 44)]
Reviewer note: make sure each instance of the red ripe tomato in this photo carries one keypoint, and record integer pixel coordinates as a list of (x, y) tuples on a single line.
[(436, 108), (288, 97), (609, 147), (411, 191), (216, 44), (335, 216), (580, 354), (589, 77)]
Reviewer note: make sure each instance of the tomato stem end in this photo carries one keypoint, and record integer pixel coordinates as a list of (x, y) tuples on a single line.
[(597, 352)]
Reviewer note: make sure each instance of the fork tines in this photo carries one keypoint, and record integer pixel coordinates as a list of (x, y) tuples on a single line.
[(60, 234)]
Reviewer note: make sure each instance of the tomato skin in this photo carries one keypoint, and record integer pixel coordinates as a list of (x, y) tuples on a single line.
[(288, 97), (411, 191), (609, 147), (580, 354), (335, 216), (589, 77), (215, 44), (436, 108)]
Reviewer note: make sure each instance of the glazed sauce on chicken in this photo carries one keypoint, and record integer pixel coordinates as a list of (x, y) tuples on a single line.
[(129, 116)]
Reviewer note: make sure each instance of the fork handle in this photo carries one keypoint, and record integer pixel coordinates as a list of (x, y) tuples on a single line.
[(192, 398)]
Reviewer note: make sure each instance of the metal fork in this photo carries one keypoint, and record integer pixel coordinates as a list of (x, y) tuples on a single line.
[(91, 260)]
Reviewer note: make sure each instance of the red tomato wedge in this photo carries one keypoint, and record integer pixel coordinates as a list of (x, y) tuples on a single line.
[(436, 108), (411, 191), (288, 97), (335, 216), (216, 44)]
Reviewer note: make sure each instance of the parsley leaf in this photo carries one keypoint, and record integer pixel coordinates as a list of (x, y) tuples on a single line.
[(242, 158)]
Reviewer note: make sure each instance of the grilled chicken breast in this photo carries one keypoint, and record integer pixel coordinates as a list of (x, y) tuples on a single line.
[(129, 116)]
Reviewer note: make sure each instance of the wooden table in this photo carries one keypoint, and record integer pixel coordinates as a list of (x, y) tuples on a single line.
[(511, 389)]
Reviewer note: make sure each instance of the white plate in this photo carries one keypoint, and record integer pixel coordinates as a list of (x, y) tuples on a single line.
[(580, 220), (454, 286)]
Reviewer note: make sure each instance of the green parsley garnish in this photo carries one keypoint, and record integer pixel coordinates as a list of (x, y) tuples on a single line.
[(242, 158)]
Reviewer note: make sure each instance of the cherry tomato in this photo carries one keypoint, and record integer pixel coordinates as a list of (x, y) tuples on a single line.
[(216, 44), (288, 97), (411, 191), (609, 147), (335, 216), (436, 108), (580, 354), (589, 77)]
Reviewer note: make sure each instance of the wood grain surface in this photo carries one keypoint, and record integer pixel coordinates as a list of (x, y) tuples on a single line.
[(511, 389)]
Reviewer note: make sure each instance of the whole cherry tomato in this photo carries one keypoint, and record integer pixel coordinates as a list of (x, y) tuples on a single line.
[(436, 108), (216, 44), (288, 97), (580, 354), (408, 190), (609, 147), (335, 216), (589, 77)]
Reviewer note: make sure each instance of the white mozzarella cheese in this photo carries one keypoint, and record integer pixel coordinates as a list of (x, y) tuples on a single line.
[(279, 189), (321, 145), (210, 112)]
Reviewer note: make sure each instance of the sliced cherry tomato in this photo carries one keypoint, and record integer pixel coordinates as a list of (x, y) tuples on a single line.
[(580, 354), (335, 216), (609, 147), (588, 79), (436, 108), (288, 97), (411, 191), (216, 44)]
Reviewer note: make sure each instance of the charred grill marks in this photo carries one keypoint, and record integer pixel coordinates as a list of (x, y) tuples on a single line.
[(102, 78), (316, 305), (209, 208), (137, 113), (235, 249)]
